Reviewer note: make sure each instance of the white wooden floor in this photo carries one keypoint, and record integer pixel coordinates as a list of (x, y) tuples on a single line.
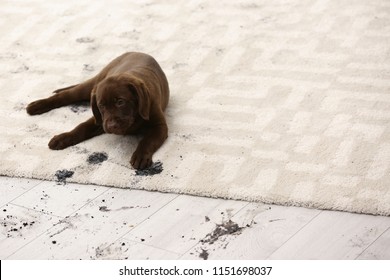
[(44, 220)]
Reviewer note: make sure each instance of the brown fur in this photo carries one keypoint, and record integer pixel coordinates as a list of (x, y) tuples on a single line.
[(128, 96)]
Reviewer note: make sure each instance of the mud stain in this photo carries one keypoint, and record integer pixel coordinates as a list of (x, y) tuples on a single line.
[(20, 69), (67, 225), (97, 158), (79, 150), (88, 68), (80, 107), (20, 106), (14, 227), (115, 251), (62, 175), (226, 228), (204, 254), (220, 234), (275, 220), (84, 40), (155, 168), (106, 209)]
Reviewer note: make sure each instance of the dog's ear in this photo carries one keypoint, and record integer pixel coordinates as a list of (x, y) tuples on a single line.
[(139, 87), (95, 108), (143, 99)]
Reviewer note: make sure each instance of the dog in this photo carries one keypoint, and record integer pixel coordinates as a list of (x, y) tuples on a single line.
[(128, 96)]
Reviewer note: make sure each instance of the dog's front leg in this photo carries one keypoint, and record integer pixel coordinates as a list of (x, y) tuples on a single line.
[(80, 133), (153, 139)]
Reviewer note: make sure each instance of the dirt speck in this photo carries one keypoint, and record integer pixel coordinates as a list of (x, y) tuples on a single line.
[(207, 219), (156, 168), (96, 158), (62, 175)]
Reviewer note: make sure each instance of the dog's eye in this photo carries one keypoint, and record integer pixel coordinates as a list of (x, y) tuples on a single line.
[(120, 102)]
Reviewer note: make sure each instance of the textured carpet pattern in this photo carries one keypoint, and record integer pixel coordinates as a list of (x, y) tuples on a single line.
[(283, 102)]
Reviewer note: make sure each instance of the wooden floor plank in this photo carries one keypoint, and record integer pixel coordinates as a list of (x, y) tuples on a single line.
[(379, 249), (333, 235), (11, 188)]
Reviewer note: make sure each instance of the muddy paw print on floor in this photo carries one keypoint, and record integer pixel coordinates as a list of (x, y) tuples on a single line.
[(114, 251)]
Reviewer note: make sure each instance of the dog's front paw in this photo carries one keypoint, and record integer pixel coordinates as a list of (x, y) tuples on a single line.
[(141, 160), (61, 141)]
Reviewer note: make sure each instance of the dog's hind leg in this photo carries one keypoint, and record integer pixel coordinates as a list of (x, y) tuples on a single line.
[(62, 97)]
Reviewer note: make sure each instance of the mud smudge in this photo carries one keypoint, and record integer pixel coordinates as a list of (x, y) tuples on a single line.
[(104, 209), (79, 107), (85, 40), (110, 252), (97, 158), (204, 254), (275, 220), (88, 68), (62, 175), (226, 228), (20, 69)]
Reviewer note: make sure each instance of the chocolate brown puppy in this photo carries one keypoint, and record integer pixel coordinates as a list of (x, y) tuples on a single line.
[(128, 96)]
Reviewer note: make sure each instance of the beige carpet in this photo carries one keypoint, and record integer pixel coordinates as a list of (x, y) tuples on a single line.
[(284, 102)]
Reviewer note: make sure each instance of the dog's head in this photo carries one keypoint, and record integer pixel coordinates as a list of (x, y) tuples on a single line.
[(118, 101)]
